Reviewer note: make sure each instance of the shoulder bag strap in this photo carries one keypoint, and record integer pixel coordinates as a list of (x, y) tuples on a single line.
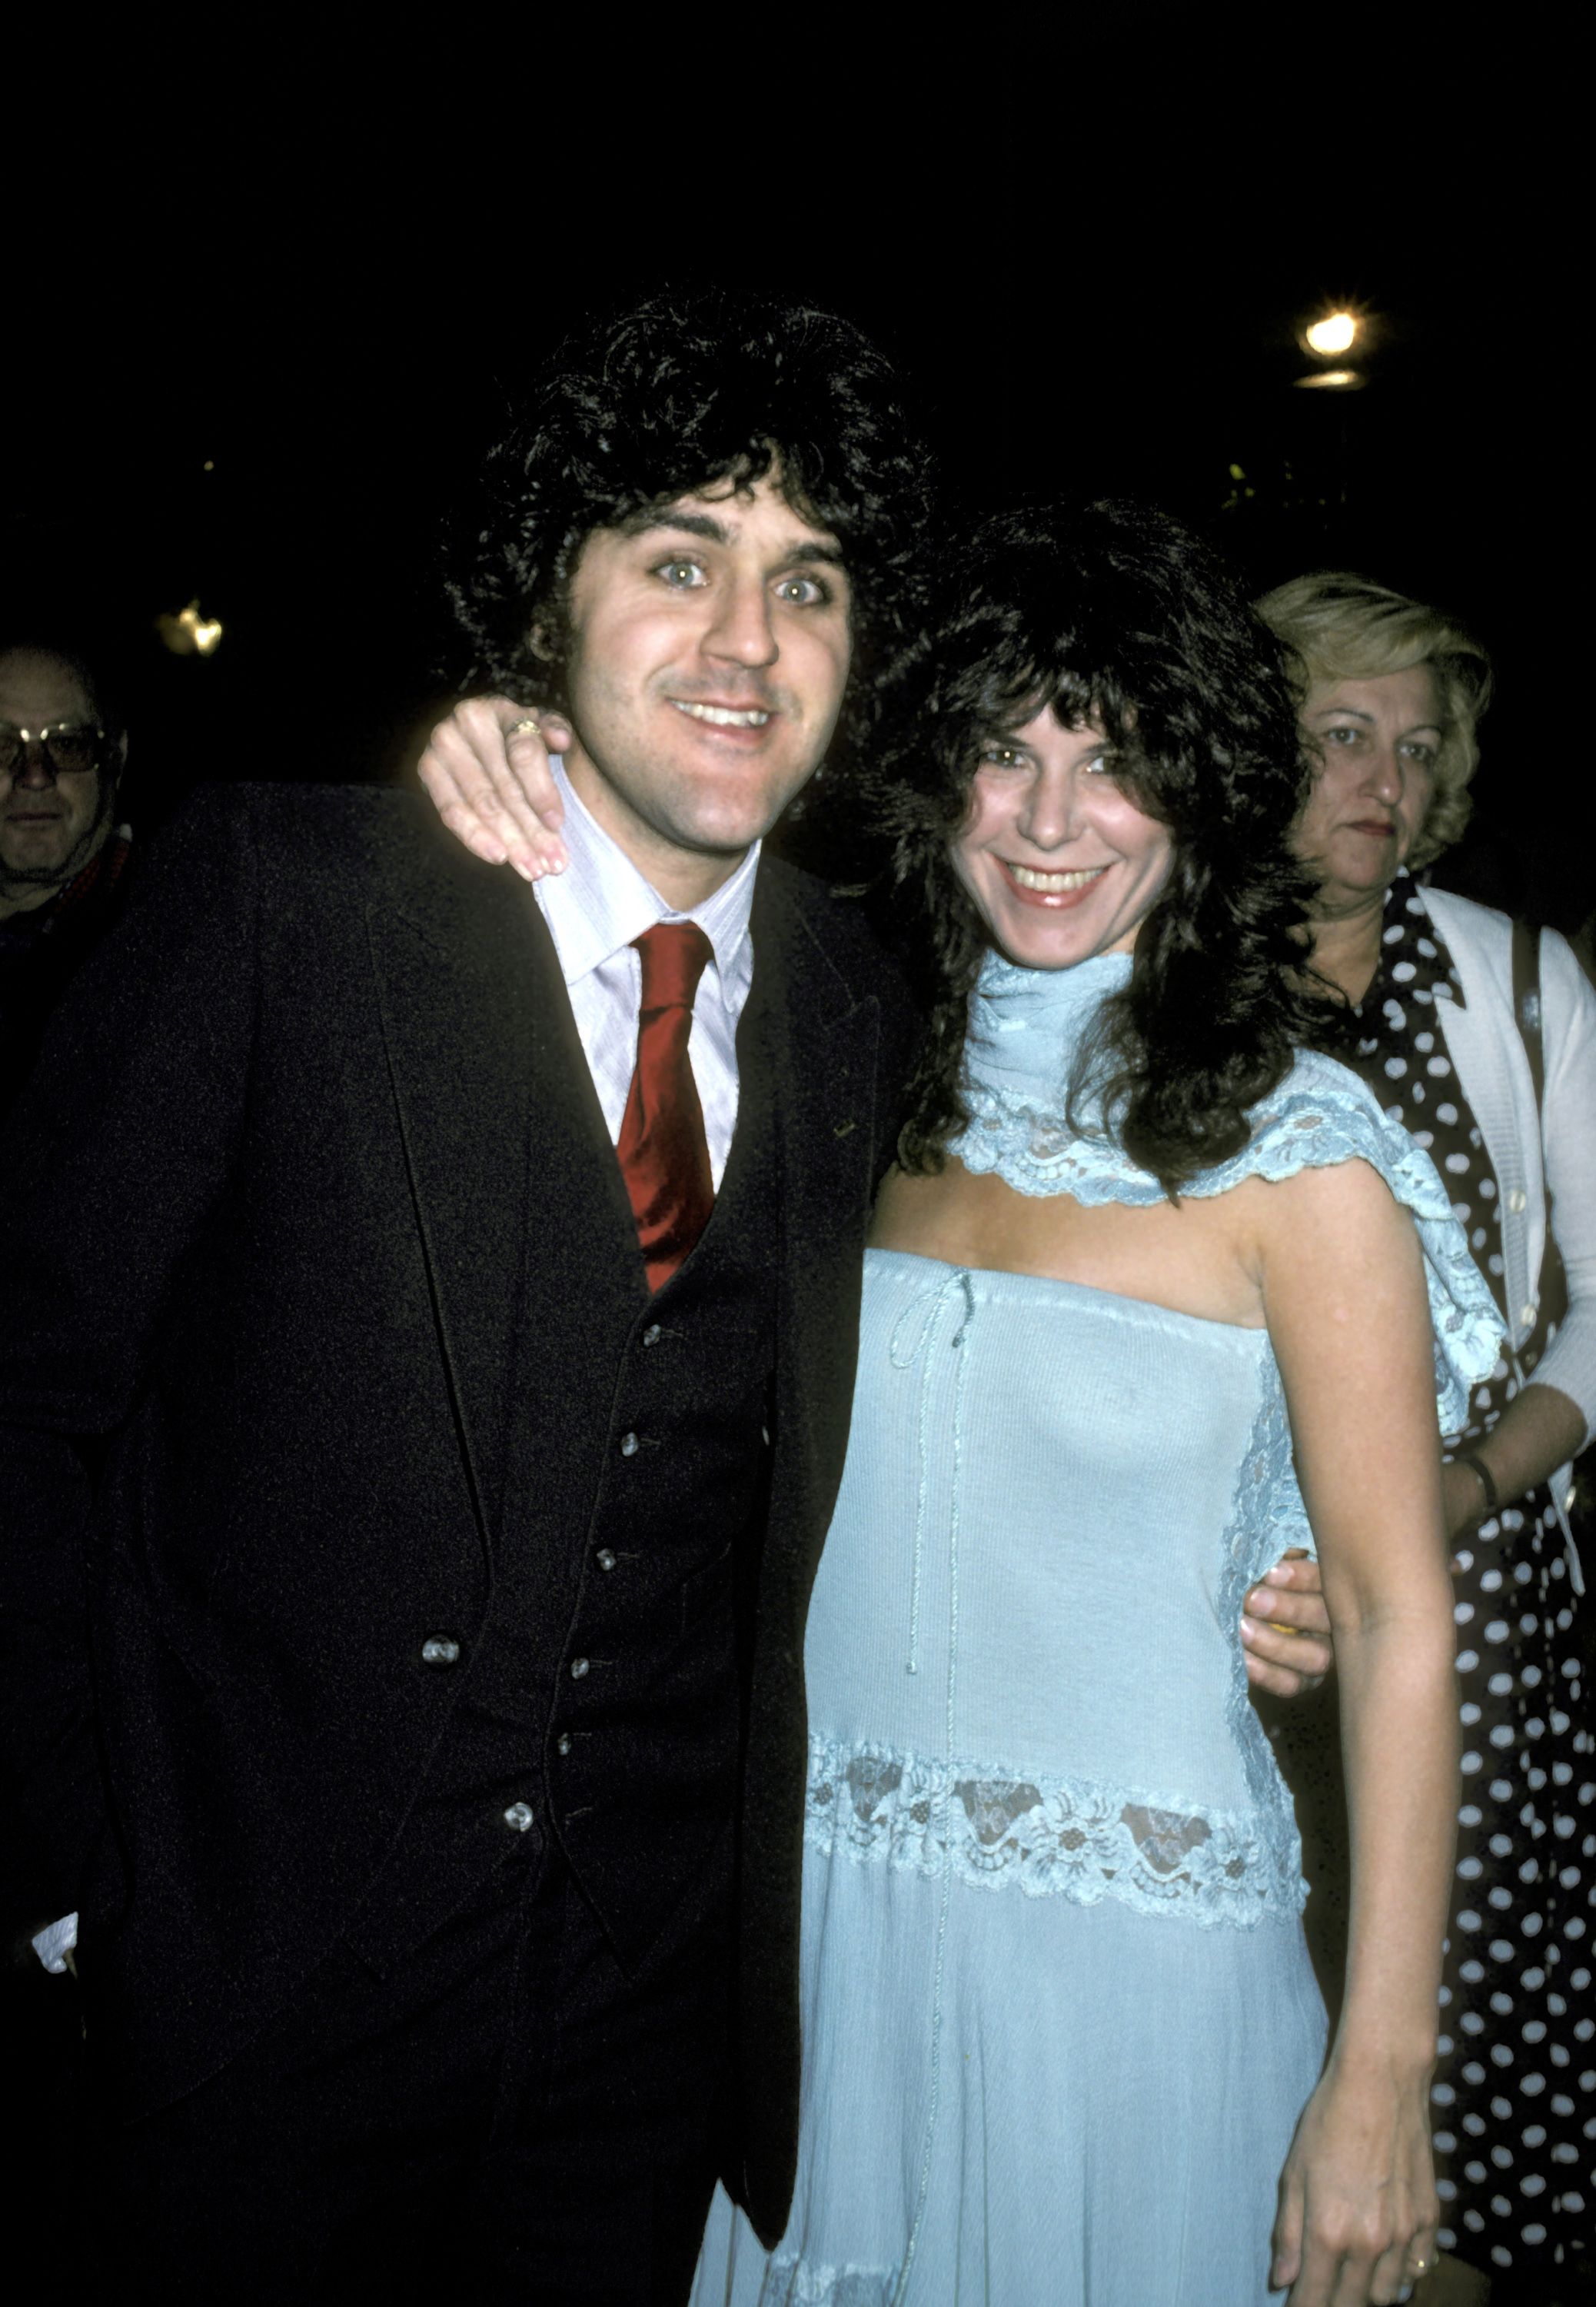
[(1554, 1275), (1526, 1003), (1526, 1013)]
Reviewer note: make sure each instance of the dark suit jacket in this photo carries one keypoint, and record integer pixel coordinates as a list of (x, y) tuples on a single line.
[(310, 1185)]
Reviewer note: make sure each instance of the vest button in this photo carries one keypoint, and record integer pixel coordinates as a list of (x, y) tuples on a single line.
[(437, 1649), (519, 1816), (1517, 1200), (651, 1337), (606, 1560), (578, 1668), (628, 1445), (1526, 1314), (562, 1744)]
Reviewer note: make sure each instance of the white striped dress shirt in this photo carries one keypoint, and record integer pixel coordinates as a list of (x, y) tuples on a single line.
[(594, 909)]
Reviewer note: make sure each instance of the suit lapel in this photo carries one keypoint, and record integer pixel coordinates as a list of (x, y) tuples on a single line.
[(825, 1051), (494, 1100)]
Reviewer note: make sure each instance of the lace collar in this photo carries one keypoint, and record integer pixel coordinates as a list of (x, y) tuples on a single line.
[(1027, 1024)]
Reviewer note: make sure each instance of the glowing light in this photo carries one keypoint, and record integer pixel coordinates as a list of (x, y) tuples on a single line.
[(1337, 333), (188, 634), (1332, 379)]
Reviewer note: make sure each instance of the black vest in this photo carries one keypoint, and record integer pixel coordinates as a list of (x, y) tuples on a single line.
[(605, 1709)]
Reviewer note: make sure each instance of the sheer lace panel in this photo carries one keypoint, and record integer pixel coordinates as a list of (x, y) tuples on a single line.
[(1050, 1837), (793, 2282), (1267, 1517)]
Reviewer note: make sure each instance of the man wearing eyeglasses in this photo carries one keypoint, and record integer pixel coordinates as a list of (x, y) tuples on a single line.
[(61, 860), (61, 856)]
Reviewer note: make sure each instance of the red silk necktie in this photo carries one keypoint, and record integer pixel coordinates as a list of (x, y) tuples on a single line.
[(663, 1154)]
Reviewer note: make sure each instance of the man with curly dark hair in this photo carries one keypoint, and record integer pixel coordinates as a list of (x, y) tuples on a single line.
[(677, 396), (453, 1504)]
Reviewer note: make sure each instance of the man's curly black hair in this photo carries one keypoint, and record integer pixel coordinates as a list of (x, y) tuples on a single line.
[(1114, 616), (671, 397)]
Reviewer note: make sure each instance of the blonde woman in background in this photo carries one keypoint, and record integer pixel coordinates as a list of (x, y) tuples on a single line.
[(1392, 691)]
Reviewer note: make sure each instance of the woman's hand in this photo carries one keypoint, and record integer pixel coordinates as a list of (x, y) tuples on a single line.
[(1286, 1627), (486, 769), (1358, 2211)]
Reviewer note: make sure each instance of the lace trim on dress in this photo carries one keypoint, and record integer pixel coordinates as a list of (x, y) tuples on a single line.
[(1050, 1837), (792, 2282), (1320, 1114), (1267, 1517)]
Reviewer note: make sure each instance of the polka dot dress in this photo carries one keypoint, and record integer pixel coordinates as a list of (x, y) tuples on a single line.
[(1515, 2094)]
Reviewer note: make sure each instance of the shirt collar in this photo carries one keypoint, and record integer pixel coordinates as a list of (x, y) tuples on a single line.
[(600, 903)]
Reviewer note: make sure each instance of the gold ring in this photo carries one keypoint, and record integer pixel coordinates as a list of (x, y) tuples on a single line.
[(522, 729)]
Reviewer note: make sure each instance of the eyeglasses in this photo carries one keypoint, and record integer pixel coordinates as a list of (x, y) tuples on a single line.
[(67, 746)]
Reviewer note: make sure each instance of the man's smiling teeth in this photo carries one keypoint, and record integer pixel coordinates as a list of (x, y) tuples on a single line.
[(1053, 885), (722, 716)]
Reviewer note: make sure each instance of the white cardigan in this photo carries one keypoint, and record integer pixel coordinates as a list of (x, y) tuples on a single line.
[(1485, 1046)]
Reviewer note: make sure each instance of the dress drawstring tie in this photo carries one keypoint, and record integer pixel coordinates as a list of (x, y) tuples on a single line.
[(921, 1316)]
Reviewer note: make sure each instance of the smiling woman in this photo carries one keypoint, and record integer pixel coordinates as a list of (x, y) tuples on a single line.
[(1141, 1268), (1056, 852), (1102, 698)]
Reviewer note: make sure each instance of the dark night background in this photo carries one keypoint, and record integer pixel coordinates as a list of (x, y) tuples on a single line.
[(259, 345)]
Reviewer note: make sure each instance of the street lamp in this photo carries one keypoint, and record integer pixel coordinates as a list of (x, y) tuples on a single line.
[(188, 634), (1335, 333), (1330, 339)]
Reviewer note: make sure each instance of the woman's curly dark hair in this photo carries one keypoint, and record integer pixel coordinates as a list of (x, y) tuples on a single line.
[(673, 396), (1113, 614)]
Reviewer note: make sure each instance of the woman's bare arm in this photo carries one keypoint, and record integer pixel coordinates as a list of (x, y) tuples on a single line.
[(1540, 1430), (1344, 1298)]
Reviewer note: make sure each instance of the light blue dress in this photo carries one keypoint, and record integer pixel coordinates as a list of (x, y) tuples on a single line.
[(1059, 2017)]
